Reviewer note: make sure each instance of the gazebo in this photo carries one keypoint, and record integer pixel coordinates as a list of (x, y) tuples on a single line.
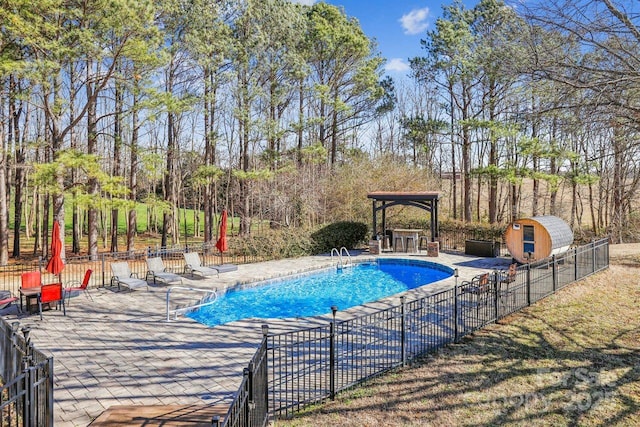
[(427, 200)]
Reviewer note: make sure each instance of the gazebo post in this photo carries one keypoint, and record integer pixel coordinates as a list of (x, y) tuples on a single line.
[(384, 221), (437, 225), (374, 219), (434, 215)]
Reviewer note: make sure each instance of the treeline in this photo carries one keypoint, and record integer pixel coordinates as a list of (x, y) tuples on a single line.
[(262, 106)]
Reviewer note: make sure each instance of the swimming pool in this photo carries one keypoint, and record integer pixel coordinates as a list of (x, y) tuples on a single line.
[(314, 294)]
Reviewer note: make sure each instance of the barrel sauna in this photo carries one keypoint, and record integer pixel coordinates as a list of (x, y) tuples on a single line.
[(538, 237)]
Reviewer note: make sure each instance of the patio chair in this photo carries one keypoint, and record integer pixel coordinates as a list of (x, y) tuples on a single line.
[(6, 299), (77, 286), (479, 288), (193, 265), (157, 270), (51, 293), (122, 275), (506, 279), (508, 276), (30, 283)]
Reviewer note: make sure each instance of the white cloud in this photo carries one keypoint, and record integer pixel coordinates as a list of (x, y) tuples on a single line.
[(305, 2), (397, 65), (414, 22)]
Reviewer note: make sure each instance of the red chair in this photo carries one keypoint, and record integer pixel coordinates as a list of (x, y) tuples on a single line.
[(31, 279), (81, 288), (51, 293), (30, 286)]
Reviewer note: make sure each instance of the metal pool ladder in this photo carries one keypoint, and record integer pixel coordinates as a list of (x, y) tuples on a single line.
[(210, 297), (340, 255)]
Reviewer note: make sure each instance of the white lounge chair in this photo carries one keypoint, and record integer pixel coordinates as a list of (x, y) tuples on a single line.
[(224, 268), (193, 265), (157, 271), (122, 275)]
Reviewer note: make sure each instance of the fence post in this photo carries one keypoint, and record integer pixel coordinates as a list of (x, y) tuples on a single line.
[(332, 355), (49, 416), (403, 330), (593, 256), (27, 402), (554, 273), (495, 294), (528, 284), (575, 264), (246, 373), (265, 338), (104, 272), (456, 332)]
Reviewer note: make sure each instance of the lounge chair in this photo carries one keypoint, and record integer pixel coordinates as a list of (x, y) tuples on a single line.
[(122, 275), (77, 286), (224, 268), (193, 265), (157, 271), (6, 299)]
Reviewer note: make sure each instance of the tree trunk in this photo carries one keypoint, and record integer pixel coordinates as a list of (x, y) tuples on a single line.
[(493, 156), (20, 181), (117, 149), (92, 148), (300, 120), (132, 220), (454, 181), (4, 224)]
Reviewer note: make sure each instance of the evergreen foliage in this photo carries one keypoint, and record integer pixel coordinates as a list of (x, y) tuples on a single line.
[(344, 233)]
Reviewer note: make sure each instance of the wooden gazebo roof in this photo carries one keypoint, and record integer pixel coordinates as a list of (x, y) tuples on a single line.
[(427, 200)]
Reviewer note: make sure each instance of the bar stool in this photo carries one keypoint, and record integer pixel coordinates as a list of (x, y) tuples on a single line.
[(386, 244), (423, 243), (395, 243), (412, 240)]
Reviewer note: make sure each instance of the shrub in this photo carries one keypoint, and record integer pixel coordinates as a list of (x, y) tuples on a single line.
[(283, 243), (339, 234)]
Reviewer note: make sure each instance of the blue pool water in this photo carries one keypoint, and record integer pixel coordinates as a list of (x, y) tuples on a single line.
[(314, 294)]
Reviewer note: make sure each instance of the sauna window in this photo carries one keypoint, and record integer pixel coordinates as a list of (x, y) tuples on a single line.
[(528, 239)]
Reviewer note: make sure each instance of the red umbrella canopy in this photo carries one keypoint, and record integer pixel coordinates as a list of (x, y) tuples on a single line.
[(55, 265), (222, 244)]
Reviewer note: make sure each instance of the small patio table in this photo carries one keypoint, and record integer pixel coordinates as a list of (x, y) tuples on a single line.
[(29, 294)]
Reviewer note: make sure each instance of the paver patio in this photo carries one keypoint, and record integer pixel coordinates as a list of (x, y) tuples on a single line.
[(120, 350)]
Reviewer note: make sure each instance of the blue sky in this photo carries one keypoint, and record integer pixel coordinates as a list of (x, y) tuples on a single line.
[(397, 26)]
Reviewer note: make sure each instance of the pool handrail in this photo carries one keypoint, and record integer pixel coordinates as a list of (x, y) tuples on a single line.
[(346, 251), (204, 301), (340, 253)]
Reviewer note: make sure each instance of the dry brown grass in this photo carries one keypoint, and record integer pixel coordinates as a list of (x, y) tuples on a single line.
[(572, 359)]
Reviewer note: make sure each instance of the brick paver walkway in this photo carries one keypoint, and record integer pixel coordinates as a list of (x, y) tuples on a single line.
[(119, 349)]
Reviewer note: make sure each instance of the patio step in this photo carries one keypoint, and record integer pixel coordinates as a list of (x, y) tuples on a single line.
[(160, 415)]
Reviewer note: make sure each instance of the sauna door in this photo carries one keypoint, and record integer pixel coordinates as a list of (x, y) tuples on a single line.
[(528, 241)]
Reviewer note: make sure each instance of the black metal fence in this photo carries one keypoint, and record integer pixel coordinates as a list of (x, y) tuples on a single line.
[(76, 266), (454, 240), (311, 365), (26, 387), (250, 407)]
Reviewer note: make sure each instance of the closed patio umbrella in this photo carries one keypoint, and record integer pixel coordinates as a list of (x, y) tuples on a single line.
[(222, 244), (55, 264)]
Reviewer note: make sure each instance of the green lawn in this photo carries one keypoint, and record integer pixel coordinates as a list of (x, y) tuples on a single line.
[(571, 359)]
